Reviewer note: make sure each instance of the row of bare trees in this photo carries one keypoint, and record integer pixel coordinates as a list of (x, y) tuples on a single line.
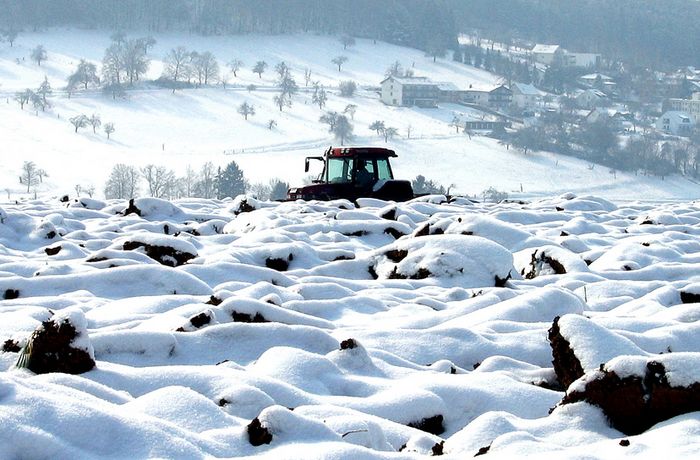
[(126, 181)]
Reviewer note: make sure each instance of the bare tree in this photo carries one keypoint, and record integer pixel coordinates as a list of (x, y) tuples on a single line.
[(339, 125), (30, 176), (271, 124), (282, 70), (79, 121), (378, 126), (205, 67), (339, 61), (206, 187), (23, 97), (235, 65), (123, 182), (95, 122), (246, 109), (350, 109), (394, 70), (347, 41), (176, 62), (84, 75), (159, 179), (136, 62), (282, 100), (259, 68), (108, 129), (307, 76), (189, 182), (456, 122), (11, 35), (343, 129), (38, 54), (389, 133), (319, 96)]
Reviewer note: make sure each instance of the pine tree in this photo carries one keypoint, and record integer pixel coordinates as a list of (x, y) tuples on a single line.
[(230, 181)]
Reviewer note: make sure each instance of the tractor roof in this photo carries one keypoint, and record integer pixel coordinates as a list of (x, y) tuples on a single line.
[(362, 152)]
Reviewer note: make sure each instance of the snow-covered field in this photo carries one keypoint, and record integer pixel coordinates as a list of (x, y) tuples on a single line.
[(325, 330), (194, 126)]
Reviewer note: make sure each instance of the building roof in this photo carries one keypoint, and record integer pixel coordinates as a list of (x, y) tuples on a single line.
[(416, 81), (545, 49), (527, 89), (447, 86), (594, 92), (594, 76)]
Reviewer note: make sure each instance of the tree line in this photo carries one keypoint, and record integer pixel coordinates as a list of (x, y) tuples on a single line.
[(127, 181), (599, 143), (638, 32), (424, 24)]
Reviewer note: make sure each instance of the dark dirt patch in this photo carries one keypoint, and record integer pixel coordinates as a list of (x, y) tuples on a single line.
[(438, 448), (539, 259), (396, 255), (132, 209), (393, 232), (165, 255), (348, 344), (423, 231), (357, 233), (197, 321), (11, 294), (244, 206), (501, 282), (483, 451), (258, 434), (420, 274), (624, 442), (389, 215), (49, 350), (372, 272), (634, 404), (51, 235), (213, 300), (690, 297), (566, 365), (279, 264), (247, 318), (11, 346), (432, 425), (53, 251)]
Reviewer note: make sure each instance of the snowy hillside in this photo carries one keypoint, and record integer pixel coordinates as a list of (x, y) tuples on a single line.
[(191, 329), (194, 126)]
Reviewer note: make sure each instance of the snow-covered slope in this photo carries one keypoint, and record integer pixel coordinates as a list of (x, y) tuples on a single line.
[(194, 126)]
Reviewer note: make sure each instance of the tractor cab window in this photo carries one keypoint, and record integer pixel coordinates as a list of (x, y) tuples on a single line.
[(383, 169), (340, 170), (366, 173)]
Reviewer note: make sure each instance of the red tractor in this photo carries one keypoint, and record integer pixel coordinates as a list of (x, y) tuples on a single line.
[(354, 172)]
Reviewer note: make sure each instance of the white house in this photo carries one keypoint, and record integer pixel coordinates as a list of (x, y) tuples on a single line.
[(410, 91), (526, 96), (590, 98), (690, 106), (547, 54), (592, 79), (676, 123), (586, 60)]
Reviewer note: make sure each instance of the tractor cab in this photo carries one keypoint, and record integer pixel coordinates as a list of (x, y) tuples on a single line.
[(354, 172)]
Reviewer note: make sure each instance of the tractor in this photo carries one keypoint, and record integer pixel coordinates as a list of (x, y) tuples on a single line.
[(351, 173)]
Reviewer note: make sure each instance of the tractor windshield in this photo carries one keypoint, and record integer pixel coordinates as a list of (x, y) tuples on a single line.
[(383, 169), (340, 170)]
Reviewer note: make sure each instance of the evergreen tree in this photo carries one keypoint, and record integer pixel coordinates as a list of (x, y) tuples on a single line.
[(230, 181)]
